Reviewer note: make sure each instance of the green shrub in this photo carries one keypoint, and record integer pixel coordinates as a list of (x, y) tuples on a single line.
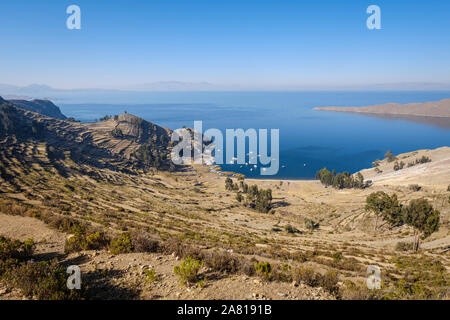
[(80, 241), (420, 278), (15, 249), (337, 256), (264, 270), (389, 156), (188, 270), (358, 291), (41, 280), (281, 273), (122, 244), (150, 275)]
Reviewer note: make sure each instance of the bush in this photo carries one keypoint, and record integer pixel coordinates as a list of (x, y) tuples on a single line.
[(150, 276), (398, 165), (117, 133), (424, 159), (80, 241), (404, 246), (247, 267), (376, 163), (281, 273), (352, 291), (329, 282), (307, 275), (142, 242), (337, 256), (41, 280), (421, 278), (122, 244), (389, 156), (311, 224), (415, 187), (15, 249), (290, 229), (264, 270), (188, 270), (221, 261)]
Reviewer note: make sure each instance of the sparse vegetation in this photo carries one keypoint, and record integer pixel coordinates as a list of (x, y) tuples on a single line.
[(188, 270), (264, 270), (44, 280), (415, 187), (121, 244), (311, 224), (82, 241)]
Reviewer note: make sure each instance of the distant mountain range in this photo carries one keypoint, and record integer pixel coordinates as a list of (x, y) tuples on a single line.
[(45, 91)]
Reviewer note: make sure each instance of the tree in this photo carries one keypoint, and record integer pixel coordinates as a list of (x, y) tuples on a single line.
[(398, 166), (340, 180), (389, 156), (359, 181), (423, 218), (263, 201), (376, 163), (325, 177), (388, 207), (229, 184)]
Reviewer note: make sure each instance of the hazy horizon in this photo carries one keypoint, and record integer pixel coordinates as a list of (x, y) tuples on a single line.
[(231, 45)]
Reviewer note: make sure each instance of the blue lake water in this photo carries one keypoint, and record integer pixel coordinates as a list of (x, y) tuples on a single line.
[(341, 141)]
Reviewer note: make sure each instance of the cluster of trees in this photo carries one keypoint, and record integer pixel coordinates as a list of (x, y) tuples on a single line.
[(105, 118), (258, 199), (117, 133), (400, 165), (340, 180), (72, 119), (424, 159), (150, 157), (418, 214)]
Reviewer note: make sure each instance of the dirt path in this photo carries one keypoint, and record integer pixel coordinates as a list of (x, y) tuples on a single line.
[(22, 228)]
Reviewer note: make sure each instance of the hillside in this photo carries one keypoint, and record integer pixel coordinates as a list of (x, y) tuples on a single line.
[(125, 143), (44, 107), (81, 192)]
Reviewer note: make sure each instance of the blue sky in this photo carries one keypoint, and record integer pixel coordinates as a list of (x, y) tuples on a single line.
[(250, 43)]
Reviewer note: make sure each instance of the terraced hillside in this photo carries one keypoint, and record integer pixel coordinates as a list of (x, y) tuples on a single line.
[(83, 195)]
